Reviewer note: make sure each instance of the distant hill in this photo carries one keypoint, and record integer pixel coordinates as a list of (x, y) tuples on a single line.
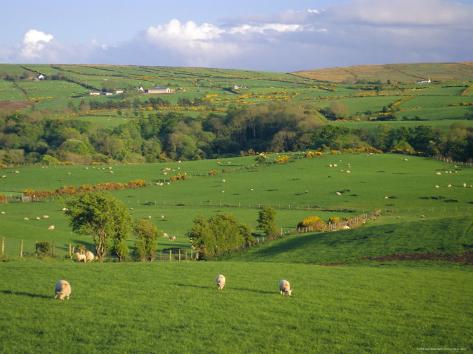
[(407, 73)]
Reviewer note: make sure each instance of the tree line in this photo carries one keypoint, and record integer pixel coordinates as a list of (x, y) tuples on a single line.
[(265, 128)]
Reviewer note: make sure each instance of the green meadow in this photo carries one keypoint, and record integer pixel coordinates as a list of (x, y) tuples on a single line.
[(175, 307)]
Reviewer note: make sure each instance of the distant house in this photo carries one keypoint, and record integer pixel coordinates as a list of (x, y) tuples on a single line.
[(119, 92), (94, 93), (159, 90), (424, 82), (108, 93), (41, 77)]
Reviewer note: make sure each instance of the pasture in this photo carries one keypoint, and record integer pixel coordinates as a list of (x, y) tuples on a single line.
[(175, 307), (405, 190), (446, 98)]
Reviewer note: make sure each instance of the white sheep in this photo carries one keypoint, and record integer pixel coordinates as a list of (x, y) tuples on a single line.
[(51, 227), (62, 290), (45, 216), (173, 238), (220, 280), (285, 287), (345, 227), (89, 256), (80, 257), (338, 193)]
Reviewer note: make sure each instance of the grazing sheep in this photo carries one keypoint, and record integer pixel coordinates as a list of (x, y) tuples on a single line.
[(285, 287), (80, 257), (51, 227), (338, 193), (345, 227), (437, 186), (62, 290), (449, 186), (26, 218), (220, 280), (3, 213), (89, 256), (173, 238), (45, 216)]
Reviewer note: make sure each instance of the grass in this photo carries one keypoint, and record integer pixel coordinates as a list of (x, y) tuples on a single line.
[(450, 236), (175, 307), (437, 101), (296, 190)]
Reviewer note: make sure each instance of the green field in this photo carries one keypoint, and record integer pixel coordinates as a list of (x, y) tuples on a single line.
[(400, 283), (297, 189), (439, 100), (175, 307)]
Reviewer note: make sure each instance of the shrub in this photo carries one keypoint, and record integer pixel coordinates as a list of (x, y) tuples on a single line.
[(334, 220), (282, 159), (146, 239), (43, 248), (313, 223)]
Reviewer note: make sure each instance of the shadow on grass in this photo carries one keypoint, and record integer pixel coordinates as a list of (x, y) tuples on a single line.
[(24, 293), (227, 288)]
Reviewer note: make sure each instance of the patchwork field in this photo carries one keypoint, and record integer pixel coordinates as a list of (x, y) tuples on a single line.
[(400, 283), (363, 91)]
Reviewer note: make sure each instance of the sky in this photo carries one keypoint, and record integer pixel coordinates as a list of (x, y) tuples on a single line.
[(271, 35)]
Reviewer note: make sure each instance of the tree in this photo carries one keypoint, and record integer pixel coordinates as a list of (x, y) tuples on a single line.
[(105, 218), (218, 235), (267, 222), (147, 236)]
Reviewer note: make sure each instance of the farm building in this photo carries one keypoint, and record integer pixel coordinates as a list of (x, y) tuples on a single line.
[(424, 82), (94, 93), (119, 92), (159, 90)]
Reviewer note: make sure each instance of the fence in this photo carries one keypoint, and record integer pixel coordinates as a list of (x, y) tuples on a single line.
[(20, 248), (351, 223)]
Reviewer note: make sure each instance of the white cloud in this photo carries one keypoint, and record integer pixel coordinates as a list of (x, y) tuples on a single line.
[(264, 28), (34, 43)]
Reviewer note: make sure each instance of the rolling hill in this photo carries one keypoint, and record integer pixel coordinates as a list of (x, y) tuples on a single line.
[(405, 73)]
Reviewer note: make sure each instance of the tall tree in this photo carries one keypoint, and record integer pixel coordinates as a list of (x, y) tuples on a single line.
[(267, 222), (103, 217)]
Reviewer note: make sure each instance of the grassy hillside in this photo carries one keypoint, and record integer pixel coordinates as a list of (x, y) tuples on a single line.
[(171, 307), (66, 86), (406, 73), (448, 236), (296, 190)]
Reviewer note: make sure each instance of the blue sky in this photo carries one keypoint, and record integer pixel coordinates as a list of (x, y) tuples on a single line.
[(278, 35)]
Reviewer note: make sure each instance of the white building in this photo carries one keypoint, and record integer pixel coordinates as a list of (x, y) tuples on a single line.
[(159, 90), (41, 77), (94, 93)]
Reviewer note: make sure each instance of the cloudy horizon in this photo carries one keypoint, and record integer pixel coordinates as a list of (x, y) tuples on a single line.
[(314, 34)]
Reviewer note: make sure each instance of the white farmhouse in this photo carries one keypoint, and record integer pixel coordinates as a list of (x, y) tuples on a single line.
[(159, 90)]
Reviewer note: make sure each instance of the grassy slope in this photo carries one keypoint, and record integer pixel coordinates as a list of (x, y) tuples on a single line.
[(410, 184), (448, 236), (395, 72), (176, 308)]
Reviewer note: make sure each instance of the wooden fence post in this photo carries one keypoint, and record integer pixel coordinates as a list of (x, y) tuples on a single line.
[(170, 254), (21, 249)]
